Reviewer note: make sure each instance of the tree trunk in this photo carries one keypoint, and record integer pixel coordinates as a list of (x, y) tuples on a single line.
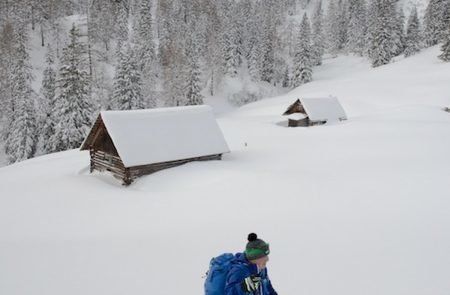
[(42, 36), (32, 17)]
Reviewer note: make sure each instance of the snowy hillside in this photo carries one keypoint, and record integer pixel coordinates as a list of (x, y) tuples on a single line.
[(357, 207)]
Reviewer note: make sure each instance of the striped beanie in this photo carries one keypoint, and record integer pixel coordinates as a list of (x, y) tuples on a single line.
[(256, 248)]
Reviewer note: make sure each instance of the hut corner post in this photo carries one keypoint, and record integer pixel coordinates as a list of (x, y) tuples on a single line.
[(127, 179), (91, 153)]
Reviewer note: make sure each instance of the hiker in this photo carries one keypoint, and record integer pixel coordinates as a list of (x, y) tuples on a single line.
[(248, 272)]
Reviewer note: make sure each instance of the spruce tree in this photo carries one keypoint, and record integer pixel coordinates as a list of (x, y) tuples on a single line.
[(164, 29), (174, 60), (267, 44), (304, 55), (372, 19), (253, 49), (101, 24), (342, 23), (398, 31), (248, 23), (357, 27), (47, 105), (335, 29), (382, 35), (21, 138), (7, 54), (286, 78), (318, 38), (213, 50), (231, 42), (73, 107), (445, 55), (145, 48), (435, 21), (175, 75), (194, 96), (121, 25), (127, 82), (333, 32), (412, 42)]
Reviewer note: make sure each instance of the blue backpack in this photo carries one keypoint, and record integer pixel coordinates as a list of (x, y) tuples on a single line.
[(217, 274)]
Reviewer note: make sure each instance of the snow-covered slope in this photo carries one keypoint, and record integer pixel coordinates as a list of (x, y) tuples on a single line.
[(357, 207)]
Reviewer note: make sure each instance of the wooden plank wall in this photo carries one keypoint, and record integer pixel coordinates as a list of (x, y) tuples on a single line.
[(102, 161)]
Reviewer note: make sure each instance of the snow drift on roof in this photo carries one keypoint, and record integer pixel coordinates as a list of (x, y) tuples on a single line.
[(144, 137), (323, 109), (296, 116)]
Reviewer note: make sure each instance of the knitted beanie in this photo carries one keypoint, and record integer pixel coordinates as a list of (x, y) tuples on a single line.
[(256, 248)]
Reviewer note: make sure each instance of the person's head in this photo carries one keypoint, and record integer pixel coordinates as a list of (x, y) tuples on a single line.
[(257, 251)]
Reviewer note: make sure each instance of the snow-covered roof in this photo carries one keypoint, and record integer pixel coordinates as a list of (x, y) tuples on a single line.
[(323, 109), (144, 137)]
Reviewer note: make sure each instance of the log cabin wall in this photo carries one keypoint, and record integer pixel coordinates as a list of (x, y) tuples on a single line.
[(102, 161), (299, 123), (137, 171)]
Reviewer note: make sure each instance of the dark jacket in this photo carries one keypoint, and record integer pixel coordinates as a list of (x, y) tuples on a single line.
[(242, 269)]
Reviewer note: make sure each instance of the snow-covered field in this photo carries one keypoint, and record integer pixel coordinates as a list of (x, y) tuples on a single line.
[(351, 208)]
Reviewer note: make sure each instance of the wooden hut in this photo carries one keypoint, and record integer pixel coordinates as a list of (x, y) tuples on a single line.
[(296, 115), (314, 111), (134, 143)]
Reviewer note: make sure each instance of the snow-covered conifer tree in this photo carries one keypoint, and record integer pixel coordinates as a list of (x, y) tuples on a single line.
[(213, 50), (122, 25), (333, 25), (193, 95), (435, 21), (101, 23), (381, 42), (445, 55), (47, 105), (342, 23), (286, 78), (145, 49), (7, 54), (371, 23), (398, 29), (174, 61), (73, 107), (246, 9), (357, 27), (267, 43), (254, 35), (164, 28), (128, 82), (304, 55), (412, 42), (21, 138), (318, 38), (231, 41)]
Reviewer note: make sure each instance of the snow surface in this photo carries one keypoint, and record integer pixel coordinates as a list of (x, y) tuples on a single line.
[(323, 108), (358, 207), (144, 137)]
